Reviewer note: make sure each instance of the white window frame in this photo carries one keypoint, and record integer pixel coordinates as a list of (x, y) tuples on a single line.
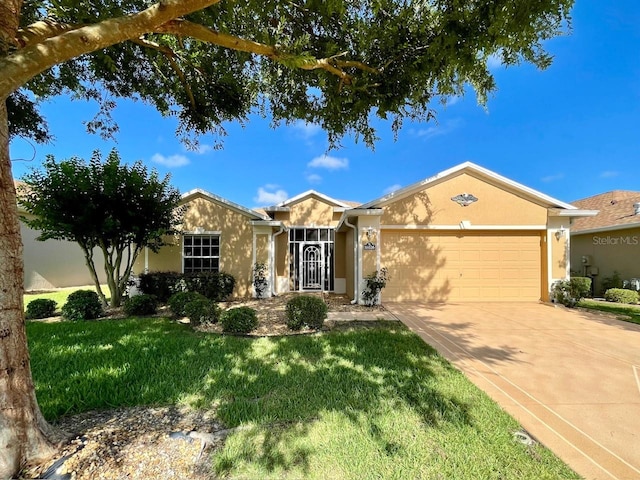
[(202, 234)]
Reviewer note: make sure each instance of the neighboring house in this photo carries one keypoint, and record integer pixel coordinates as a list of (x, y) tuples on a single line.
[(465, 234), (610, 241), (53, 263)]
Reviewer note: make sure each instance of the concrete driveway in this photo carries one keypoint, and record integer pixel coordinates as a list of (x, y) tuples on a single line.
[(570, 377)]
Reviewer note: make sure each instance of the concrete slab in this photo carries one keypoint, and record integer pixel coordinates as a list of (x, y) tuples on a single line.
[(570, 377)]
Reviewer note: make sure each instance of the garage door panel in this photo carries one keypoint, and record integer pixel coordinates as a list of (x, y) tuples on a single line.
[(454, 267)]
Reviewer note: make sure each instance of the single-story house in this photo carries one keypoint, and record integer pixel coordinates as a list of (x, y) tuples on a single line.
[(608, 242), (465, 234)]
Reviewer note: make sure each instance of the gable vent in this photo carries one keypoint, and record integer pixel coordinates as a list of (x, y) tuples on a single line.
[(636, 208)]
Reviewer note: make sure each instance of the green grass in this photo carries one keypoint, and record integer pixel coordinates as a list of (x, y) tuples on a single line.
[(354, 404), (629, 313)]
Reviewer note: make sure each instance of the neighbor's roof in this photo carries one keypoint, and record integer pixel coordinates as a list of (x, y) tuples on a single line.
[(616, 212)]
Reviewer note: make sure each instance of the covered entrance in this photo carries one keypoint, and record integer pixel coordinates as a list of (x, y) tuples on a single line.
[(311, 259)]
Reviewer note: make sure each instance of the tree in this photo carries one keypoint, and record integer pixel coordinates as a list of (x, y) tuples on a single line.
[(119, 209), (337, 63)]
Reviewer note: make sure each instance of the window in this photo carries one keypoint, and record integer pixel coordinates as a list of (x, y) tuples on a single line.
[(201, 253)]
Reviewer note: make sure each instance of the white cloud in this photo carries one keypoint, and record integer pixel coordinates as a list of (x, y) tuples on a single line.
[(314, 178), (328, 162), (554, 177), (203, 148), (266, 198), (438, 130), (307, 130), (392, 188), (171, 161), (609, 174)]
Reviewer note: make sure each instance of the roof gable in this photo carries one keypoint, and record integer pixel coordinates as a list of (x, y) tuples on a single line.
[(197, 192), (313, 193), (479, 172)]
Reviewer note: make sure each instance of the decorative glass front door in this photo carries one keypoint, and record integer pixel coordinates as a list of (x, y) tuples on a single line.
[(311, 267)]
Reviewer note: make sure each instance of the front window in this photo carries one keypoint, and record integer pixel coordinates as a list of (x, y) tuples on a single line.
[(201, 253)]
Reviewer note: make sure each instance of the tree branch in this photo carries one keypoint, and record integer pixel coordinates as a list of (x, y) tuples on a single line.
[(40, 31), (171, 56), (27, 62)]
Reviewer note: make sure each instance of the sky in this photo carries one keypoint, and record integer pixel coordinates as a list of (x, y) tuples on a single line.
[(570, 131)]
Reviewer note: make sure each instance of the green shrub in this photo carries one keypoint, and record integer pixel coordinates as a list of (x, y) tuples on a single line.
[(260, 281), (216, 286), (239, 320), (179, 300), (82, 305), (621, 295), (202, 310), (306, 310), (570, 292), (141, 305), (614, 281), (41, 308), (373, 285), (161, 284)]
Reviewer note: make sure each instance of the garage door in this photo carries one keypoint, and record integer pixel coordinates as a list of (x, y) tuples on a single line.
[(444, 267)]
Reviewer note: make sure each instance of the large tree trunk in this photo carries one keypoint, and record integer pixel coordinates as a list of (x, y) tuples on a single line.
[(24, 434)]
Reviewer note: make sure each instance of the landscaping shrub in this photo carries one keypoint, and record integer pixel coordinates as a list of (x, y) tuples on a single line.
[(82, 305), (373, 285), (570, 292), (239, 320), (160, 284), (41, 308), (141, 305), (621, 295), (260, 282), (179, 300), (306, 310), (202, 310), (614, 281), (216, 286)]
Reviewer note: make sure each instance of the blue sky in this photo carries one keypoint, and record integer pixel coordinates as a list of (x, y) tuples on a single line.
[(570, 131)]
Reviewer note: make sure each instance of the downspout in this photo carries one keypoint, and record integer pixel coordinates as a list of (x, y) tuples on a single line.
[(272, 260), (356, 280)]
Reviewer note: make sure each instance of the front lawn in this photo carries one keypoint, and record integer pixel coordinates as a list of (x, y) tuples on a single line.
[(359, 403), (628, 313), (59, 296)]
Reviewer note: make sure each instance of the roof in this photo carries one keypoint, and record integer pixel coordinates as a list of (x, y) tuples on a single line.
[(616, 212), (227, 203), (479, 171), (284, 206)]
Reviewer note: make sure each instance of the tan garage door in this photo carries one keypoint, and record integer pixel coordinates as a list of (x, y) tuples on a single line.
[(451, 267)]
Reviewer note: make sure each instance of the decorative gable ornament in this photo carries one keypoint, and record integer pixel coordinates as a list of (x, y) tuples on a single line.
[(464, 199)]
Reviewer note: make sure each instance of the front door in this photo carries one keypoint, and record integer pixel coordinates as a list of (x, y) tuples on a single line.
[(311, 266)]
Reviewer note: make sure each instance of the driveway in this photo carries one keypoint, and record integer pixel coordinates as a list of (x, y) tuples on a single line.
[(570, 377)]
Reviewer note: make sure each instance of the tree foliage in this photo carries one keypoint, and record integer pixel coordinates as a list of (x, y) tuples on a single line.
[(117, 208), (336, 63)]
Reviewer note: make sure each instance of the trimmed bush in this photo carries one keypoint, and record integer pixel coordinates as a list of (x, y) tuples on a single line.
[(306, 310), (141, 305), (161, 284), (239, 320), (202, 310), (179, 300), (570, 292), (41, 308), (216, 286), (82, 305), (621, 295), (373, 285)]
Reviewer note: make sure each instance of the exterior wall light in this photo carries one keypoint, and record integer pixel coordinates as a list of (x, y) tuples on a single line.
[(560, 233)]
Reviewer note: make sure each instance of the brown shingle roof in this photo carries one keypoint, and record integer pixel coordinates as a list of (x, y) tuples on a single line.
[(616, 210)]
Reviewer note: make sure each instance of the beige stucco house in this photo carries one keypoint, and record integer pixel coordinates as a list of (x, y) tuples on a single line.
[(465, 234), (609, 241)]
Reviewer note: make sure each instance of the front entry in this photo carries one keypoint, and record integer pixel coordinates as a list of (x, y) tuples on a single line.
[(311, 266), (311, 259)]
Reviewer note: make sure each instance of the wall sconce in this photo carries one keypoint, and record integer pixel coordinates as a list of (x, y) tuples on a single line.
[(369, 233), (560, 233)]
